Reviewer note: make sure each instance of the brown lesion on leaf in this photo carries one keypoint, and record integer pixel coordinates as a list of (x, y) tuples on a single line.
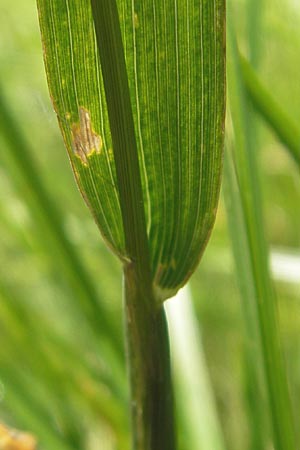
[(85, 141)]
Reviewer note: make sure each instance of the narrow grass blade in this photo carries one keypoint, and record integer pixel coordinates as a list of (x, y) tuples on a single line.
[(287, 131), (195, 401), (29, 414), (257, 408), (30, 340), (247, 175)]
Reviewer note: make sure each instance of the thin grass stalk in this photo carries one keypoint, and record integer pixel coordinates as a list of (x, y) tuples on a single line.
[(146, 330), (202, 427), (257, 408), (247, 172), (254, 382), (287, 131)]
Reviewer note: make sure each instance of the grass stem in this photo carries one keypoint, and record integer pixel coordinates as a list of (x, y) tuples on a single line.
[(148, 358), (146, 331)]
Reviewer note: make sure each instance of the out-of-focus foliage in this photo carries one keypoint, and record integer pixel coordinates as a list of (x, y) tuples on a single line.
[(59, 378)]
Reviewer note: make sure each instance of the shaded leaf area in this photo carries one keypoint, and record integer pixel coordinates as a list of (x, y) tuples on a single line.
[(175, 61)]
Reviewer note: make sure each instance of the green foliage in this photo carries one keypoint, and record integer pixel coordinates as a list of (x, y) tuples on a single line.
[(177, 95), (62, 374)]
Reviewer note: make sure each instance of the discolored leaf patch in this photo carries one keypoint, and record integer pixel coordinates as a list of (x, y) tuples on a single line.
[(85, 140)]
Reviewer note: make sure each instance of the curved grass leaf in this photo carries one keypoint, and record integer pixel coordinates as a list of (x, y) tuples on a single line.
[(174, 54)]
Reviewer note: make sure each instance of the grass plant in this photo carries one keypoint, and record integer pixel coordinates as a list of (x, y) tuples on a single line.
[(139, 92)]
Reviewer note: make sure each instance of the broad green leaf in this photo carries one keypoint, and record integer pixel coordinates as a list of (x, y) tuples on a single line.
[(175, 64)]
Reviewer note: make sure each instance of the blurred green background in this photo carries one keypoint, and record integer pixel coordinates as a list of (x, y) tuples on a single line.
[(62, 370)]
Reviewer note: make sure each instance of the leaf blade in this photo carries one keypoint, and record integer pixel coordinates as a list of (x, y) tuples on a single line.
[(175, 60), (75, 83), (174, 142)]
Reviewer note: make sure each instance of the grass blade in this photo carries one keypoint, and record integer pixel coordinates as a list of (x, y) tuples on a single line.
[(202, 427), (31, 342), (266, 105), (283, 432), (258, 412)]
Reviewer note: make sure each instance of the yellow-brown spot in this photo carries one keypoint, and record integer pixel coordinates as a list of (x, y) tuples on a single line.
[(85, 140), (15, 440)]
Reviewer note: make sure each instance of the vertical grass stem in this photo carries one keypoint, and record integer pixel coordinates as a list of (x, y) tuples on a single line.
[(146, 329)]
